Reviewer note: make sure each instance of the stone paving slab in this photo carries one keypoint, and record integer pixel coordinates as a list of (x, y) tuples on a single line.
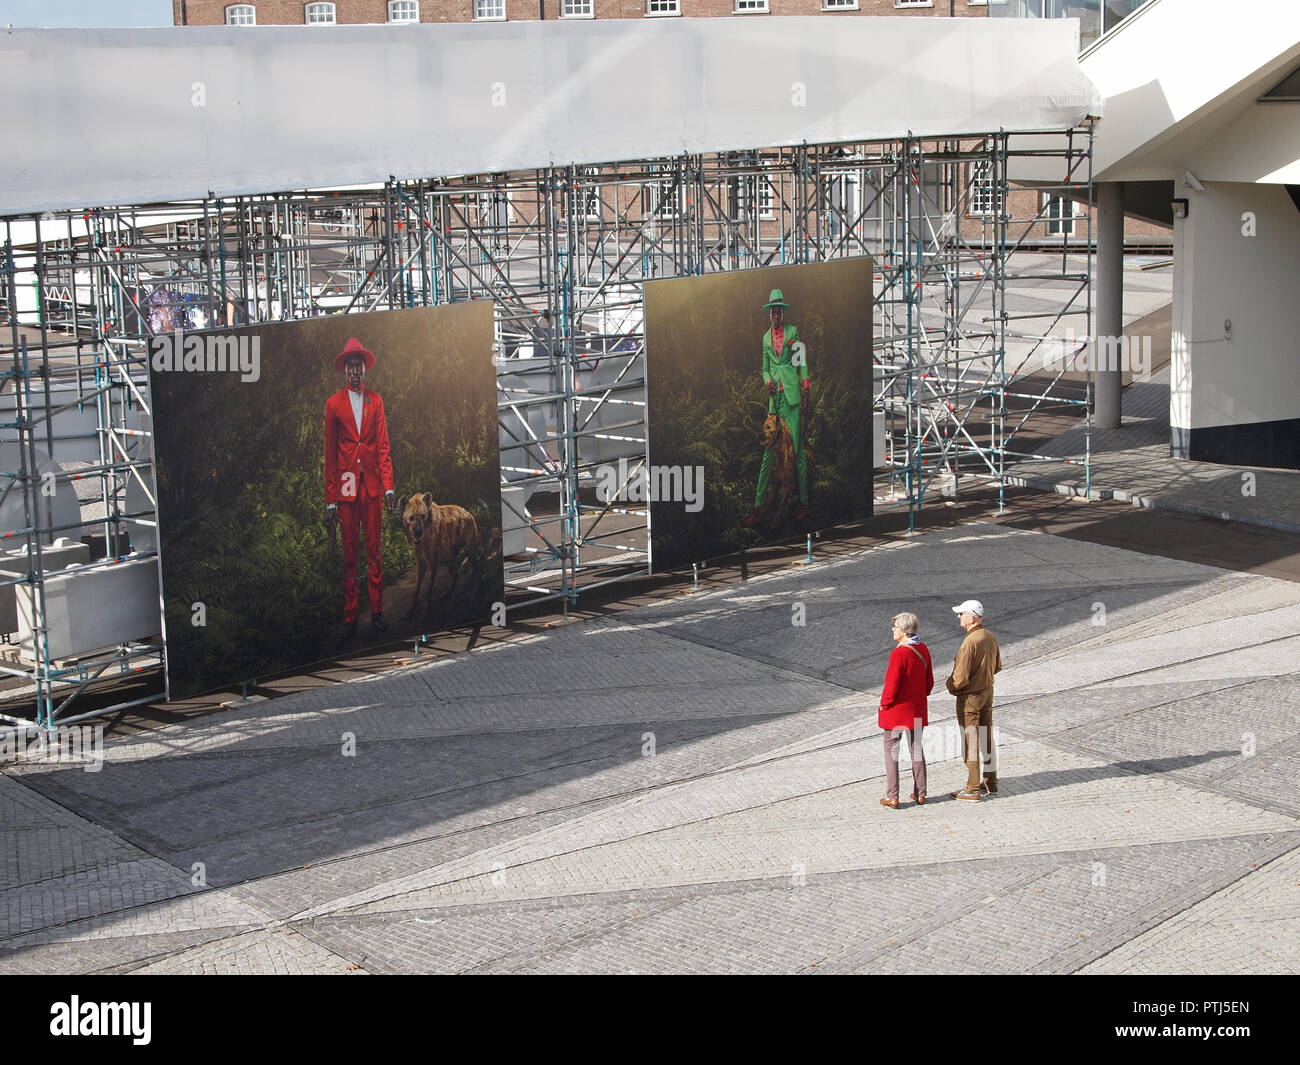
[(1044, 914), (1060, 803), (1069, 717), (58, 867), (847, 611), (202, 909), (500, 814), (607, 677), (279, 952), (483, 941), (1133, 464), (1250, 736), (1206, 651), (1251, 926), (109, 956)]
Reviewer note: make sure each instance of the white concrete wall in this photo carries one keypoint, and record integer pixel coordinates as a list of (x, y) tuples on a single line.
[(1256, 142), (1179, 80), (1220, 274), (1178, 63)]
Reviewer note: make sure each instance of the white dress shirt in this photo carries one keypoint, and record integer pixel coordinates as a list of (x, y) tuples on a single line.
[(355, 397)]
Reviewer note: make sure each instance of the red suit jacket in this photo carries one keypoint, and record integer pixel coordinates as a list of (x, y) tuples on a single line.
[(909, 680), (346, 451)]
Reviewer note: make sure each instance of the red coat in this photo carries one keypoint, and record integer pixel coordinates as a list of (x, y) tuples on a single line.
[(909, 679), (366, 453)]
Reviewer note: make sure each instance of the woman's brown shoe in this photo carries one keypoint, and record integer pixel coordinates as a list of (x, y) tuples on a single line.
[(919, 801), (891, 803)]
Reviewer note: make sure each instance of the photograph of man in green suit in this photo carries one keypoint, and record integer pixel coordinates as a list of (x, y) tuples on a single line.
[(731, 392), (787, 378)]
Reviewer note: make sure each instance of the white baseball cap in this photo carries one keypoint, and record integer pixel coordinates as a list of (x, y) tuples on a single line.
[(971, 606)]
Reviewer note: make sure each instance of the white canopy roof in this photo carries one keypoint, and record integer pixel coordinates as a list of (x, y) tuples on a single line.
[(100, 117)]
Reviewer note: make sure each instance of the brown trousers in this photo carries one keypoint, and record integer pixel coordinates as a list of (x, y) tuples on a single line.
[(893, 738), (975, 719)]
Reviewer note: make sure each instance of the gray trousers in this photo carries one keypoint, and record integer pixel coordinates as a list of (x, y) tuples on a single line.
[(893, 739)]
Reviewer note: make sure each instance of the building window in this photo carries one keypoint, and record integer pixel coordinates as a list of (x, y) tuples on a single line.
[(241, 15), (841, 196), (578, 9), (663, 7), (839, 5), (1060, 213), (984, 197), (403, 10), (745, 187), (494, 206), (585, 196), (490, 10), (914, 3), (744, 7), (592, 204), (319, 15), (659, 199)]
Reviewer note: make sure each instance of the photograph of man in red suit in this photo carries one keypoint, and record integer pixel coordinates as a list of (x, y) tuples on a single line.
[(358, 473)]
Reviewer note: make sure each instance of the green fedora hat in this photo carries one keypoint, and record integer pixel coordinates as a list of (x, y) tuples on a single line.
[(776, 300)]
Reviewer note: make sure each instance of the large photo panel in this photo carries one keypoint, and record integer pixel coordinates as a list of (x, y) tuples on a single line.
[(324, 486), (759, 422)]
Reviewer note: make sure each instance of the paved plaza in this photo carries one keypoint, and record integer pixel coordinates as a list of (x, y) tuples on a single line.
[(693, 786), (1132, 464)]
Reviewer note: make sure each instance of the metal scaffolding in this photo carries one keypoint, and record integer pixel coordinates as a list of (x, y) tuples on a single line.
[(565, 252)]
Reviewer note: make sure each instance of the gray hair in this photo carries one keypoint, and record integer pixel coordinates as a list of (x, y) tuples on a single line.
[(908, 623)]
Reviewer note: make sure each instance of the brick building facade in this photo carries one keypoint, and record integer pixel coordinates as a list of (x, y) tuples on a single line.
[(296, 12)]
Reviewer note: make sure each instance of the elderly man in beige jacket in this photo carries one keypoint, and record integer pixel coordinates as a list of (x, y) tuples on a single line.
[(971, 681)]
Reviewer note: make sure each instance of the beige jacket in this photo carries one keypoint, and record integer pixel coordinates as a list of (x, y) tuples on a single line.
[(978, 659)]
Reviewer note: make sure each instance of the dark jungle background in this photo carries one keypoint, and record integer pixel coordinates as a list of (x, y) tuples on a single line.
[(241, 481), (707, 401)]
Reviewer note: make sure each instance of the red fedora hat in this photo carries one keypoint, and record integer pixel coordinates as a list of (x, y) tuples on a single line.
[(353, 347)]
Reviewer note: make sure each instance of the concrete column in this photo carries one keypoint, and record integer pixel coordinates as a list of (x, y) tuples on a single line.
[(1108, 307)]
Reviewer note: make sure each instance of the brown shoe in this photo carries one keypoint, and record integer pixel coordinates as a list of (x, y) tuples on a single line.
[(918, 799), (988, 787), (891, 803), (967, 795)]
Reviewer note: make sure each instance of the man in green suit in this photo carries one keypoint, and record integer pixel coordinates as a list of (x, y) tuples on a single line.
[(786, 377)]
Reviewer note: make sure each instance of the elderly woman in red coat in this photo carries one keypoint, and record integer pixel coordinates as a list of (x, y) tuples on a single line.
[(904, 707)]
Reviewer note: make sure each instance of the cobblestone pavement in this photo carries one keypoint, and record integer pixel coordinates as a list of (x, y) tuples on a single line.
[(1132, 464), (693, 786)]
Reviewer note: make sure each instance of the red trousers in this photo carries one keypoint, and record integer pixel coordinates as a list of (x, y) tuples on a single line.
[(361, 514)]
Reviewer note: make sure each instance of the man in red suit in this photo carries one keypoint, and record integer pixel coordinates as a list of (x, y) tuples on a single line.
[(358, 471)]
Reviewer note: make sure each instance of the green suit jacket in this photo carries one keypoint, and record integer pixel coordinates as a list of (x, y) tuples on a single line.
[(783, 370)]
